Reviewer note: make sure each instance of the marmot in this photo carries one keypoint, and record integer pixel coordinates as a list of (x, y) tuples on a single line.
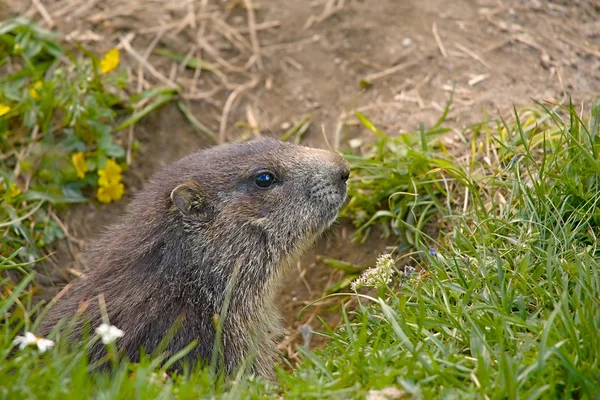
[(227, 219)]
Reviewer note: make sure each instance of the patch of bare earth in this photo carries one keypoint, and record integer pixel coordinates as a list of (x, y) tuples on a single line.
[(274, 62)]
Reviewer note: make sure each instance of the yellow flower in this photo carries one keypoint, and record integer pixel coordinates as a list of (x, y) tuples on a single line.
[(13, 191), (110, 175), (32, 90), (80, 164), (110, 61), (112, 192), (109, 182), (4, 109)]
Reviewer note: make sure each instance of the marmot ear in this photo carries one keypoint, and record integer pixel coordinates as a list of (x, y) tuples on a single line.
[(188, 197)]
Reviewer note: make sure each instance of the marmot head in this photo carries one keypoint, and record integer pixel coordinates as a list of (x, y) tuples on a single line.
[(263, 201), (288, 192)]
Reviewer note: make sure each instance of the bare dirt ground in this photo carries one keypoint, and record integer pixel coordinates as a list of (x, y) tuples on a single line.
[(278, 61)]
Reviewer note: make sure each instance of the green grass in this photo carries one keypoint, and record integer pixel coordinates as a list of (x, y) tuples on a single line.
[(504, 302), (507, 303)]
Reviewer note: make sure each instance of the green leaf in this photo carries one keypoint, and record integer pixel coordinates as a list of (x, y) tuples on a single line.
[(369, 125), (114, 150), (6, 304), (160, 100), (69, 196)]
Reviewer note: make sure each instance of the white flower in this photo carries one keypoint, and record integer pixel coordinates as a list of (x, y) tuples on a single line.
[(109, 333), (44, 344), (385, 394), (31, 340), (378, 276), (26, 340)]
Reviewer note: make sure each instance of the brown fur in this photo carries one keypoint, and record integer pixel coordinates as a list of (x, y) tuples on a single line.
[(196, 223)]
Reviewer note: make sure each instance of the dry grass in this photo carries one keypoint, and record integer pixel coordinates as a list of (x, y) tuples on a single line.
[(214, 49)]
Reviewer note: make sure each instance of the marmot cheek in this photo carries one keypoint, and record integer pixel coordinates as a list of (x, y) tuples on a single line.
[(263, 212)]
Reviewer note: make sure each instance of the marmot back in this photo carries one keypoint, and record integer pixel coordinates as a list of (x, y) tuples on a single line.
[(227, 219)]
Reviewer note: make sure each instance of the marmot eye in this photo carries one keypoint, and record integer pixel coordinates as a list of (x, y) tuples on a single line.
[(264, 180)]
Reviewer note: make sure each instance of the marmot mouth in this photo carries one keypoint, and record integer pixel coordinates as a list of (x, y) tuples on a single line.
[(331, 215)]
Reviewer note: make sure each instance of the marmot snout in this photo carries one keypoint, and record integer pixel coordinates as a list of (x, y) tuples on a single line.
[(225, 220)]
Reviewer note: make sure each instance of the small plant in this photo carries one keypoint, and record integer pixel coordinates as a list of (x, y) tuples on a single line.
[(59, 137), (396, 184), (61, 116), (379, 276)]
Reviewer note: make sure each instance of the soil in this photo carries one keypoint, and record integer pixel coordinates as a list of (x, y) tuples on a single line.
[(498, 53)]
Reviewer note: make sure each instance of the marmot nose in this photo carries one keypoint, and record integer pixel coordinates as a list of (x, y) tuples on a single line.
[(343, 169), (338, 168), (345, 175)]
